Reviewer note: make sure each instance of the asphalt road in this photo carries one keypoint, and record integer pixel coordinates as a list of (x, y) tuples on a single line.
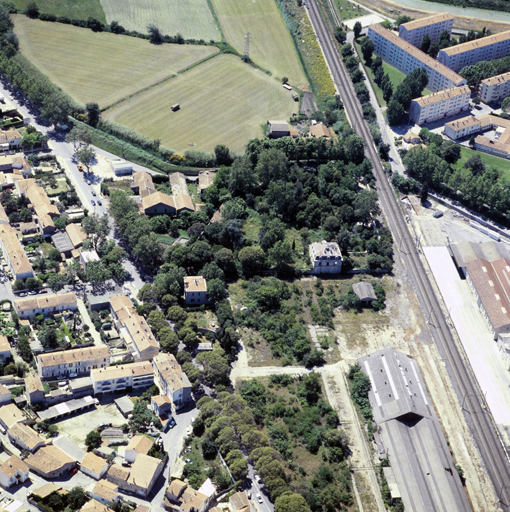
[(461, 374), (65, 151)]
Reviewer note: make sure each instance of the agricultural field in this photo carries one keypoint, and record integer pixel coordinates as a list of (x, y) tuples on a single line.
[(223, 101), (191, 18), (74, 9), (100, 67), (271, 45)]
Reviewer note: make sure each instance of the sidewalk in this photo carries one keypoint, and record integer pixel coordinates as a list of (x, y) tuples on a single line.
[(86, 320), (386, 134)]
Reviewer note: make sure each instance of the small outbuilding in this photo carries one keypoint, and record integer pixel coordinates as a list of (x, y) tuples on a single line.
[(365, 292), (412, 138), (125, 405)]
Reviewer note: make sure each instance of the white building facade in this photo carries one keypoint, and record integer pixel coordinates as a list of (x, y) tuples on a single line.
[(406, 58), (325, 257), (467, 54), (495, 88), (414, 31), (440, 105)]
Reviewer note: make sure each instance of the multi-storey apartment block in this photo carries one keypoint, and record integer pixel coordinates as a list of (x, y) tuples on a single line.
[(414, 31), (121, 377), (495, 88), (440, 104), (406, 58), (467, 54)]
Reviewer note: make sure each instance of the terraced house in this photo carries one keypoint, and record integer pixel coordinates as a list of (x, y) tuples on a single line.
[(133, 328), (14, 254), (122, 377), (78, 361), (47, 305)]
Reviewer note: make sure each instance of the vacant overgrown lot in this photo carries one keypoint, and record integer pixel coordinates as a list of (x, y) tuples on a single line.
[(74, 9), (100, 67), (271, 44), (190, 18), (223, 101)]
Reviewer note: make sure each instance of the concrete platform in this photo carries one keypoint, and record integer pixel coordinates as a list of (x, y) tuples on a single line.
[(474, 334)]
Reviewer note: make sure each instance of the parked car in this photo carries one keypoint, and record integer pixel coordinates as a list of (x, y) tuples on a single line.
[(73, 471), (259, 497), (33, 292), (99, 203), (258, 479), (88, 182), (249, 495), (187, 461), (93, 193), (93, 202), (23, 294)]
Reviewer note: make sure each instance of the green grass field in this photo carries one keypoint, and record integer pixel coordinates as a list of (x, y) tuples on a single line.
[(223, 101), (271, 45), (348, 11), (190, 18), (501, 164), (395, 75), (74, 9), (100, 67)]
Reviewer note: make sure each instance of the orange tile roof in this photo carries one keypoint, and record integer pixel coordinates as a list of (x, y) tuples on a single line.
[(195, 284), (73, 356), (26, 435), (93, 463), (436, 97), (320, 130), (48, 458), (12, 465), (158, 198), (76, 234), (498, 79), (183, 201), (140, 444), (15, 252), (48, 301), (33, 383), (116, 372)]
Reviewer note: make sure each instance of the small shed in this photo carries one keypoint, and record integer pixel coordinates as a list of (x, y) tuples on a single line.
[(125, 405), (365, 292)]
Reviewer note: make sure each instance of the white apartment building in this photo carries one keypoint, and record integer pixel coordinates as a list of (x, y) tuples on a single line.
[(14, 253), (77, 361), (467, 54), (440, 105), (495, 88), (406, 58), (462, 127), (414, 31), (326, 258), (121, 377)]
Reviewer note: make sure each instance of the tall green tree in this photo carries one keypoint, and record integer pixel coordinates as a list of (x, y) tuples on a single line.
[(425, 43), (93, 113)]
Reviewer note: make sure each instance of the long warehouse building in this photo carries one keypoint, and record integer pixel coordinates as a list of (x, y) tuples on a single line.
[(467, 54), (422, 472), (406, 58)]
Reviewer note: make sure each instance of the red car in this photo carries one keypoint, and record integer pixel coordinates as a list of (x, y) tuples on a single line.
[(73, 471)]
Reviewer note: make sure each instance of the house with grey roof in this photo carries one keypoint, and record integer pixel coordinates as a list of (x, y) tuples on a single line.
[(365, 293)]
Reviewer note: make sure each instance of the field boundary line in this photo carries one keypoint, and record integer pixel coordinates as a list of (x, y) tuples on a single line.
[(217, 21), (175, 75)]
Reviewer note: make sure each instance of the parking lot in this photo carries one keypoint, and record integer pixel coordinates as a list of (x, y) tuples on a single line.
[(77, 427)]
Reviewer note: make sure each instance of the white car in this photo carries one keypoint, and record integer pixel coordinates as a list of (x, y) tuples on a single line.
[(258, 479), (259, 497), (188, 431)]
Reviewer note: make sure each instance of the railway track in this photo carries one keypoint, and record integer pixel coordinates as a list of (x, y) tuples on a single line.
[(481, 425)]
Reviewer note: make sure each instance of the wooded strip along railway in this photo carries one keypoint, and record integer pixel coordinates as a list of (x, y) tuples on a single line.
[(477, 416)]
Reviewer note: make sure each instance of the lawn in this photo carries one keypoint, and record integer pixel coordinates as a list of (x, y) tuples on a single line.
[(223, 101), (271, 44), (395, 75), (74, 9), (500, 164), (100, 67), (348, 10), (190, 18)]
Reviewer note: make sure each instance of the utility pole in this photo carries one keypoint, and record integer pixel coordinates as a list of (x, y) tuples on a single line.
[(247, 46)]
